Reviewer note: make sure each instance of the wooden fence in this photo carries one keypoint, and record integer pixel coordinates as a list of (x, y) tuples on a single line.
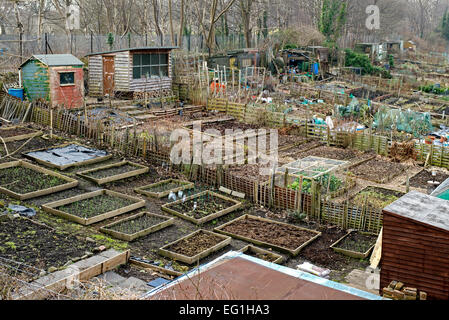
[(148, 147)]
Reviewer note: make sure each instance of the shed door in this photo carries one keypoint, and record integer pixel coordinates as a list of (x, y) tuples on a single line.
[(108, 75)]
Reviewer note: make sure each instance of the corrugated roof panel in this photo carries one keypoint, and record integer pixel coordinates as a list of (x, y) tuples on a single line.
[(54, 60)]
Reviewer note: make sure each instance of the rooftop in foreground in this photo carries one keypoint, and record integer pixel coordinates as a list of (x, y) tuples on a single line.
[(236, 276)]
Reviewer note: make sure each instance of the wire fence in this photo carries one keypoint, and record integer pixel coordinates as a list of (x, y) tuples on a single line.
[(13, 50)]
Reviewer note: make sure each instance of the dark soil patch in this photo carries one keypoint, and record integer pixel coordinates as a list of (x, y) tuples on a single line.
[(201, 206), (264, 256), (357, 242), (109, 172), (15, 132), (378, 170), (332, 153), (39, 245), (320, 253), (138, 224), (34, 144), (280, 235), (196, 244), (164, 187), (420, 180), (250, 171), (23, 180), (222, 126), (128, 271), (376, 197), (95, 206), (367, 94)]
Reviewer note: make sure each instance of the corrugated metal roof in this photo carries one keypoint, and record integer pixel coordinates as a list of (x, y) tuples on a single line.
[(422, 208), (54, 60), (132, 49)]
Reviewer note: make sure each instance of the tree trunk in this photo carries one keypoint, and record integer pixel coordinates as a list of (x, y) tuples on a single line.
[(181, 24)]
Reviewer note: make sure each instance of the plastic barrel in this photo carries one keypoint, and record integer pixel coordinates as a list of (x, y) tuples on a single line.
[(16, 93)]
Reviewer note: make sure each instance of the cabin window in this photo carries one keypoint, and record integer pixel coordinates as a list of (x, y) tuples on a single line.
[(66, 78), (150, 65)]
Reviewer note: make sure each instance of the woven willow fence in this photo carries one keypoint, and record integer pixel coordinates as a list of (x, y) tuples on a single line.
[(130, 143)]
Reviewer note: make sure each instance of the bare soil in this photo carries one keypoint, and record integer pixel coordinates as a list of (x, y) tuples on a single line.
[(378, 171), (420, 180), (109, 172), (15, 132), (196, 244), (39, 245), (357, 242), (222, 126), (280, 235), (264, 256)]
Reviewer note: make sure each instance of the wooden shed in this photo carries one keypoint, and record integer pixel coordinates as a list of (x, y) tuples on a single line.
[(129, 70), (415, 244), (56, 78)]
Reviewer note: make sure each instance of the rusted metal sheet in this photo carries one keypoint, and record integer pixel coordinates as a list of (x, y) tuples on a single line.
[(67, 95), (95, 76), (242, 279), (415, 244)]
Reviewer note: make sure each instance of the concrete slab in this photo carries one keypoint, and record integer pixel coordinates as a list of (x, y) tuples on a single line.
[(364, 280), (111, 277)]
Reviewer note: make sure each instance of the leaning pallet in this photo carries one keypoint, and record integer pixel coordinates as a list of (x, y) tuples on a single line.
[(182, 185), (164, 223), (184, 215), (52, 207), (70, 183), (140, 169), (165, 250), (294, 251), (31, 133)]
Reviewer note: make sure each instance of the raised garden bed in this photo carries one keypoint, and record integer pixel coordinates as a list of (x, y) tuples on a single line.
[(202, 207), (420, 180), (94, 206), (269, 233), (378, 171), (163, 188), (355, 244), (137, 226), (113, 172), (16, 133), (22, 180), (263, 254), (376, 197), (67, 155), (195, 246)]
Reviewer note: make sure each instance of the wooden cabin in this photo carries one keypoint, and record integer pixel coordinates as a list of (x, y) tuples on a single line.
[(130, 70), (56, 78), (415, 244)]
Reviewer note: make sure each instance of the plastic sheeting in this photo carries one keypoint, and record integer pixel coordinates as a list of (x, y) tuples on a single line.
[(416, 123), (70, 154)]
